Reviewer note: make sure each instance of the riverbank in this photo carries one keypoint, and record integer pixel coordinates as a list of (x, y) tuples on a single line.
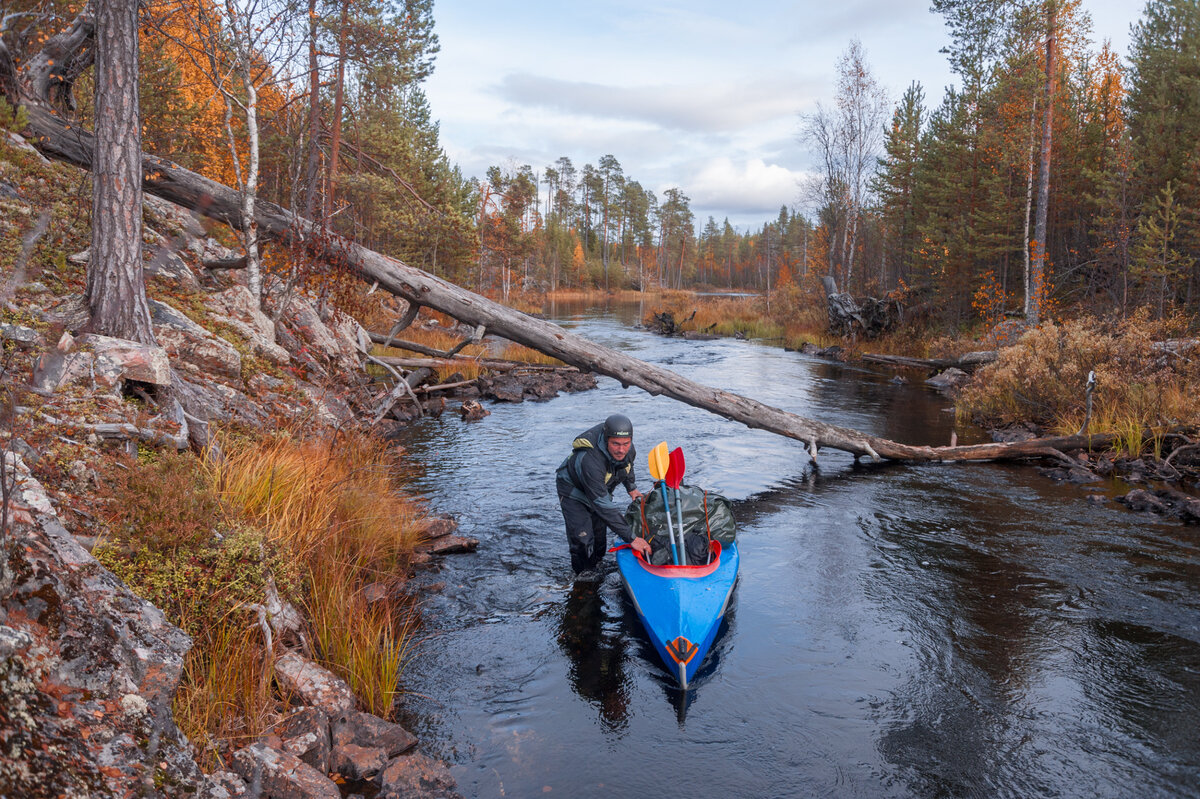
[(206, 548), (1033, 383)]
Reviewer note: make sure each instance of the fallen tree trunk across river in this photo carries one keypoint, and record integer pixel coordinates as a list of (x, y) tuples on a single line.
[(55, 138)]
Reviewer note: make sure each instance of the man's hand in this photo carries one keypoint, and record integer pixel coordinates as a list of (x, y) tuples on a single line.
[(641, 545), (635, 495)]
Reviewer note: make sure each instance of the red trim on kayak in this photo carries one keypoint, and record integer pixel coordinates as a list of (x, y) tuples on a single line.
[(702, 570)]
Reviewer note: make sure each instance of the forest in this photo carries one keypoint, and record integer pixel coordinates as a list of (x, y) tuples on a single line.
[(1051, 178)]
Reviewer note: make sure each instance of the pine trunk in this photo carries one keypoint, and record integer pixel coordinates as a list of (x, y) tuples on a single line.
[(115, 293)]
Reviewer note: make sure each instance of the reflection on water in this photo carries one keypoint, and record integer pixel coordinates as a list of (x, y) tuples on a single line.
[(907, 631)]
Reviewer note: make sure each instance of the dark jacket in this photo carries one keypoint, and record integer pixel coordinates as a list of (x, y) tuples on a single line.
[(590, 474)]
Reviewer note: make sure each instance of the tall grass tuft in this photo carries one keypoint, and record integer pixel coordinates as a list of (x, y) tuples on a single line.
[(334, 507)]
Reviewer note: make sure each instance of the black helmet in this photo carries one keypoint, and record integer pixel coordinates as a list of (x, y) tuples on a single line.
[(618, 426)]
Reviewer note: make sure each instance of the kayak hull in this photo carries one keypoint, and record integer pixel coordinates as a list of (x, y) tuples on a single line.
[(681, 607)]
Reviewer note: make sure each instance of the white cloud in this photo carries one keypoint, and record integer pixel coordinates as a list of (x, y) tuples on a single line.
[(747, 187)]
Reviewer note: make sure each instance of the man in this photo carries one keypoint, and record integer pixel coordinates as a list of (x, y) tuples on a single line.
[(601, 459)]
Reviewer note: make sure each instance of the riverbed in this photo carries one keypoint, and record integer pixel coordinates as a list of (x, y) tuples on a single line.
[(897, 631)]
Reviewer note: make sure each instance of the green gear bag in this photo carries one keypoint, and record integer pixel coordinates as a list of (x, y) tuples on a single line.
[(705, 516)]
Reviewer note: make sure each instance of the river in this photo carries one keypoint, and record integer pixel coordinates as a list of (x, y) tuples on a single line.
[(897, 631)]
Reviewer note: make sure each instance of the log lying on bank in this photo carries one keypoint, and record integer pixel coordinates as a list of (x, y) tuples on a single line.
[(55, 138), (966, 362), (495, 364)]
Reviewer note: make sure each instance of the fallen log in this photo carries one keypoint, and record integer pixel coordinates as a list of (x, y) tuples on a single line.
[(966, 362), (496, 364), (56, 139)]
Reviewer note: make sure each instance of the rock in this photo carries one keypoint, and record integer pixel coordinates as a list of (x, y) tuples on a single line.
[(450, 545), (313, 684), (949, 379), (167, 265), (357, 763), (472, 411), (1140, 499), (279, 775), (308, 324), (437, 525), (129, 360), (87, 670), (236, 305), (1096, 499), (55, 370), (365, 730), (205, 355), (20, 335), (304, 734), (330, 408), (1019, 432), (223, 785), (417, 776)]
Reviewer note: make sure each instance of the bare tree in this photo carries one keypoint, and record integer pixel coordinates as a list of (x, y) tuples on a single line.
[(847, 139)]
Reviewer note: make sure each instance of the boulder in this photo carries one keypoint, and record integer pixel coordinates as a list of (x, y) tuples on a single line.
[(236, 307), (88, 670), (363, 729), (205, 355), (357, 763), (305, 734), (417, 776), (128, 360), (313, 684), (279, 775), (950, 379)]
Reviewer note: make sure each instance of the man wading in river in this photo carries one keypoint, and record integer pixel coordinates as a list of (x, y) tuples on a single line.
[(601, 458)]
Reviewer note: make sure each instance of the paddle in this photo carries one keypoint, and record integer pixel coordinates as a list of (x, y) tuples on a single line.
[(660, 462), (673, 479)]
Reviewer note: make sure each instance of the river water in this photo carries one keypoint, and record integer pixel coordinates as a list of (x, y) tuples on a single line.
[(944, 630)]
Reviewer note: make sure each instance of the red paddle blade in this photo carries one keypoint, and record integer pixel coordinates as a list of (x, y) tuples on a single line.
[(675, 470)]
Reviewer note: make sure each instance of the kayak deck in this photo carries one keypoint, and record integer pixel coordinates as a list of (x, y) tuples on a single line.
[(681, 607)]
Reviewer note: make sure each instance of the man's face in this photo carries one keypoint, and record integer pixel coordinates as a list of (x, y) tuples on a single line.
[(619, 447)]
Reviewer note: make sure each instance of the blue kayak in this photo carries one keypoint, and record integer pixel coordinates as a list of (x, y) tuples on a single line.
[(681, 607)]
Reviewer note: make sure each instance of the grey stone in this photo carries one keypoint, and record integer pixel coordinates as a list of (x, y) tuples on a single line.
[(313, 684), (279, 775), (364, 729), (305, 734)]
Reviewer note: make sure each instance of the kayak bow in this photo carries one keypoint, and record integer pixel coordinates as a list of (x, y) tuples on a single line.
[(681, 607)]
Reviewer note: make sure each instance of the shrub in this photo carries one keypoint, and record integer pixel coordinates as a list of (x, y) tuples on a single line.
[(1043, 378), (162, 504)]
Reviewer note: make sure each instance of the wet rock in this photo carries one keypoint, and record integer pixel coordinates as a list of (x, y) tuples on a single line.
[(450, 545), (1140, 499), (357, 763), (949, 380), (437, 525), (279, 775), (365, 730), (312, 684), (472, 411), (1062, 474), (304, 734), (417, 776)]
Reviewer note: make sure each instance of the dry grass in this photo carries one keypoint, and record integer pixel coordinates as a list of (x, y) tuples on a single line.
[(1140, 394), (319, 519), (333, 507), (225, 699)]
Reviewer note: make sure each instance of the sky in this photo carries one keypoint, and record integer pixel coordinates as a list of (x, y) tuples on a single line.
[(700, 95)]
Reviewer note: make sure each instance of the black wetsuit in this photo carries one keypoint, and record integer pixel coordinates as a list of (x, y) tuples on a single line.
[(585, 481)]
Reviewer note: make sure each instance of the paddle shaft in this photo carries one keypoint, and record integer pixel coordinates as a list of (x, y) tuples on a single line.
[(670, 526)]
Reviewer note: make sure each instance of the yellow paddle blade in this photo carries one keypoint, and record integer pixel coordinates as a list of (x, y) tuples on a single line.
[(660, 461)]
